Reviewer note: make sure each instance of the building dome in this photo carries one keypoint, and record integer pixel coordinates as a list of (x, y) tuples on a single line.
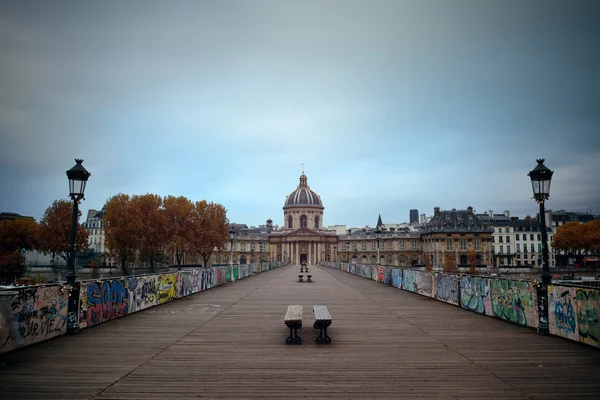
[(303, 196)]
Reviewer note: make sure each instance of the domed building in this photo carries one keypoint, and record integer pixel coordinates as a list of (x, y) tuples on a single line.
[(303, 207), (303, 238)]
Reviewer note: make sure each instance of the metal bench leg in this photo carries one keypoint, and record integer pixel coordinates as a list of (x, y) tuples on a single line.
[(323, 338), (294, 338)]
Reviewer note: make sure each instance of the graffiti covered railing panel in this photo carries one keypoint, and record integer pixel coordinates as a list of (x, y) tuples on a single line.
[(34, 314), (573, 311)]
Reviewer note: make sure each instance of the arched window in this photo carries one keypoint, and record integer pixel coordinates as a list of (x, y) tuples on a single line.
[(463, 260), (317, 222), (373, 260), (364, 260), (290, 222), (303, 221), (243, 260)]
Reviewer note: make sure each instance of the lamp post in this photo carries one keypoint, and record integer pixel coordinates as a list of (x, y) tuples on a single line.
[(231, 232), (377, 235), (78, 177), (540, 182)]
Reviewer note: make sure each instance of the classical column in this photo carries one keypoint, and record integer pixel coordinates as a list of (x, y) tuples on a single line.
[(297, 252)]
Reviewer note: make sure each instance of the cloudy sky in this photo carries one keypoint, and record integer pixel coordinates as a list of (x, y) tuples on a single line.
[(390, 105)]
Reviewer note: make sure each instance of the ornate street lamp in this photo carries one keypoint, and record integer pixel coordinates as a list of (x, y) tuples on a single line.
[(231, 232), (377, 236), (78, 177), (541, 177)]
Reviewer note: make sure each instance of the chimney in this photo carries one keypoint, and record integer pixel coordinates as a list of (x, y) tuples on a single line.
[(454, 209), (507, 213), (436, 211), (470, 209), (491, 213)]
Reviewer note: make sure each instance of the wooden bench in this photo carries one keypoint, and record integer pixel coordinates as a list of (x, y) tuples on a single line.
[(308, 278), (322, 321), (300, 278), (293, 320)]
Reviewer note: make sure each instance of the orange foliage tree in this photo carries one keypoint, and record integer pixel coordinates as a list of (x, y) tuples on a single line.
[(578, 238), (119, 228), (55, 230), (149, 226), (16, 237), (472, 261), (449, 263), (428, 264), (211, 228), (178, 212)]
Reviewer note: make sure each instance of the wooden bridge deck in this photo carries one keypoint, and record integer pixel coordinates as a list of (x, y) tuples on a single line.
[(229, 342)]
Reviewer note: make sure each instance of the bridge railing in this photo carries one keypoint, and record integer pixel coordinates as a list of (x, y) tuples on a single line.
[(36, 313), (573, 309)]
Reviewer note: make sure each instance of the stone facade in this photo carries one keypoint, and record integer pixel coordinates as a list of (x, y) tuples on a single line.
[(456, 232)]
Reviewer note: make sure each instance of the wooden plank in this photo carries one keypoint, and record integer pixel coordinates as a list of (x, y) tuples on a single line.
[(227, 343), (321, 313), (294, 313)]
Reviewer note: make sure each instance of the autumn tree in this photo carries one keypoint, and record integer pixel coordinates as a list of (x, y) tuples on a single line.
[(211, 228), (472, 261), (16, 237), (149, 226), (119, 228), (428, 264), (449, 263), (55, 230), (591, 236), (578, 238), (178, 212)]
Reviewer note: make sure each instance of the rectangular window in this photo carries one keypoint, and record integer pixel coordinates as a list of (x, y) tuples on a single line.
[(353, 246), (501, 249), (402, 245), (532, 248), (539, 236), (518, 236), (501, 239), (493, 249), (507, 249), (539, 247), (508, 239), (477, 244), (374, 245), (414, 244), (243, 246), (531, 236), (463, 244), (518, 248), (364, 246), (448, 244)]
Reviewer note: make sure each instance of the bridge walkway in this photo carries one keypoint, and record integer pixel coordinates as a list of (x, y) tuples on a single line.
[(229, 342)]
